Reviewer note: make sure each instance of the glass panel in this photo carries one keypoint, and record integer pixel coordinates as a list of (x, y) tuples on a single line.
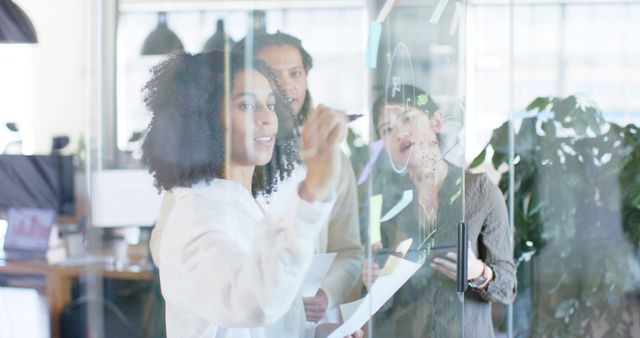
[(418, 179), (192, 215), (242, 140), (573, 164), (488, 108)]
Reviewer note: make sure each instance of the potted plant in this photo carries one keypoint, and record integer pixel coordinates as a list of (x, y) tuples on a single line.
[(577, 207)]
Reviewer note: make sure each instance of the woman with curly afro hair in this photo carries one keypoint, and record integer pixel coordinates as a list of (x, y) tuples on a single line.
[(226, 268)]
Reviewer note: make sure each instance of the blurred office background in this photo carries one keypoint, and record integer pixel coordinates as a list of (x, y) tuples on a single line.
[(578, 271)]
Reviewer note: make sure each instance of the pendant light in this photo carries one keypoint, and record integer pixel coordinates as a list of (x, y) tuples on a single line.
[(218, 39), (259, 22), (15, 26), (161, 40)]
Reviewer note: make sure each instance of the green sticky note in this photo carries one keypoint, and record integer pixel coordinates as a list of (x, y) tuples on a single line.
[(422, 99), (375, 210)]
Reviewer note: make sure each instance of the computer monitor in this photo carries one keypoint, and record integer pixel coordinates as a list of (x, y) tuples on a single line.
[(123, 198), (28, 229), (37, 181)]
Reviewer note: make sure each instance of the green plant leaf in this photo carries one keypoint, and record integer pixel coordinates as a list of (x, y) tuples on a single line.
[(526, 139), (593, 118), (613, 298), (549, 129), (631, 223), (565, 308), (498, 158), (563, 107), (580, 127), (574, 185), (351, 137), (540, 103), (535, 204), (500, 138), (479, 159)]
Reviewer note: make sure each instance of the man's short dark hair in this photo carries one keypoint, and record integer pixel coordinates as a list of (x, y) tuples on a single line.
[(264, 40)]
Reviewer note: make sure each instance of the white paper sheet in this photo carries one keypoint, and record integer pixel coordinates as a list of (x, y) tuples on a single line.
[(437, 13), (317, 272), (381, 291), (455, 22), (407, 197), (388, 5), (348, 309)]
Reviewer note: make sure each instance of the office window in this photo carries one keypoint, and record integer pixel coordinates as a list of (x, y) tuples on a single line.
[(563, 48), (335, 57)]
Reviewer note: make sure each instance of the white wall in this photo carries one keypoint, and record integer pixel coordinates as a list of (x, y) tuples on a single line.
[(59, 71)]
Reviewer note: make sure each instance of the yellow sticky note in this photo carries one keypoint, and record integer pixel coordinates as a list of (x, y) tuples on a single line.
[(404, 246), (391, 265), (375, 210)]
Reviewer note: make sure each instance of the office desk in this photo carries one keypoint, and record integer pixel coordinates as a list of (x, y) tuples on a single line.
[(59, 280)]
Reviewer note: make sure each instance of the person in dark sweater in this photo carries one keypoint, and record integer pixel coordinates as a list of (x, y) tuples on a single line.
[(410, 122)]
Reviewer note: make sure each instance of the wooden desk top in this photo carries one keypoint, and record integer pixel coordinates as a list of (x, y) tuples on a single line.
[(59, 274), (98, 266)]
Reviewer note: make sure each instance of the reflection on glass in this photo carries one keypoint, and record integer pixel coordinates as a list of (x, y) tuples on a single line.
[(574, 170), (227, 267), (212, 154), (575, 216), (576, 209), (410, 123), (290, 65)]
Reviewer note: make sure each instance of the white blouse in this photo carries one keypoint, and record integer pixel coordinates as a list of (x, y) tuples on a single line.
[(227, 270)]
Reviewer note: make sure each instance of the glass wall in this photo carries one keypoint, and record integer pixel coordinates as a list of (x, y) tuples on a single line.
[(417, 185), (270, 153), (242, 109), (402, 168), (562, 85)]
